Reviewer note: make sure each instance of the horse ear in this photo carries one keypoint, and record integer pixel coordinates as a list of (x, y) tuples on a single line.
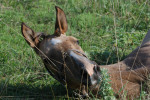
[(61, 25), (28, 34)]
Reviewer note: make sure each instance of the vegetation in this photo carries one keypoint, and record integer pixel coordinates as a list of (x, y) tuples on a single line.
[(105, 90), (108, 30)]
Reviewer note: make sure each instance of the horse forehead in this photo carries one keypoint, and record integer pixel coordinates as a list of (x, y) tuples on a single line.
[(55, 41), (60, 40)]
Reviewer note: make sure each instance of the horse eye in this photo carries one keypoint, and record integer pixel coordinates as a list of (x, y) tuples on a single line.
[(77, 41)]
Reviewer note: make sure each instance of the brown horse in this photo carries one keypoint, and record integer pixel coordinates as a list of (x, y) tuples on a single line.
[(66, 62)]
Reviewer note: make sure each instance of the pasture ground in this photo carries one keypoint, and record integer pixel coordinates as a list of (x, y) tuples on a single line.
[(107, 30)]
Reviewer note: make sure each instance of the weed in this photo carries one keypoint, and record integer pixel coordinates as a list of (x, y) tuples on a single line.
[(105, 90), (21, 70)]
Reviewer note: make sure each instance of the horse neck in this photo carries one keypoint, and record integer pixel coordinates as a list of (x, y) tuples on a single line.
[(134, 68)]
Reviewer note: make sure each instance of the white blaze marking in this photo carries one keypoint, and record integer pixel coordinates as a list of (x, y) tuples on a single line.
[(88, 66), (55, 41)]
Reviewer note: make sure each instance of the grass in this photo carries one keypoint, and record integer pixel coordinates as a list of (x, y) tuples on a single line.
[(103, 27)]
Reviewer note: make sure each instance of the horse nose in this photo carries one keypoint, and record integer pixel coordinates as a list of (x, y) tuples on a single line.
[(82, 62)]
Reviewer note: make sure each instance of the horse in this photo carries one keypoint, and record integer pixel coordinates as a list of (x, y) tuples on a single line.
[(65, 61)]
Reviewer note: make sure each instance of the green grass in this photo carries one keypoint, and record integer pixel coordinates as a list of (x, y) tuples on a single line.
[(97, 24)]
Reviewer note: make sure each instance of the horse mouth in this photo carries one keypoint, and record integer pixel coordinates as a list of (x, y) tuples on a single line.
[(88, 67)]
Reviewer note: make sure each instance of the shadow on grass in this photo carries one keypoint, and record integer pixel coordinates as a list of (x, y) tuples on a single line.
[(22, 91)]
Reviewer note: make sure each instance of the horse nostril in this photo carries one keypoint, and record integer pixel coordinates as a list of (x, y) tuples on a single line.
[(96, 69)]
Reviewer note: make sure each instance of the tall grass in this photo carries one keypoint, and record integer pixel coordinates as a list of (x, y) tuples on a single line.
[(92, 22)]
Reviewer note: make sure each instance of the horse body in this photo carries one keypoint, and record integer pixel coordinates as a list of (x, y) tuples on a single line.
[(132, 72)]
